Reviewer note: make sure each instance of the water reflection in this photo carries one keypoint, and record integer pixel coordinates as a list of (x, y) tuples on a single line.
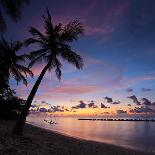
[(136, 135)]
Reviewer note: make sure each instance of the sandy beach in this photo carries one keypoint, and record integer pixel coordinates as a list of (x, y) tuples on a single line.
[(37, 141)]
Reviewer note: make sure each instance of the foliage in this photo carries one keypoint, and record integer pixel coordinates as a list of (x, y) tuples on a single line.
[(11, 62), (12, 8), (10, 105), (54, 44)]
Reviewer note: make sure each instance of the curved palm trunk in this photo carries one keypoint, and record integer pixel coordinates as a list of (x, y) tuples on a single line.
[(18, 129)]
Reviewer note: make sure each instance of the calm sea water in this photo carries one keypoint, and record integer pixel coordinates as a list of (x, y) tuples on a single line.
[(135, 135)]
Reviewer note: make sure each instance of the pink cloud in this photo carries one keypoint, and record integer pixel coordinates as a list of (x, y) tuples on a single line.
[(137, 79), (108, 20), (74, 89)]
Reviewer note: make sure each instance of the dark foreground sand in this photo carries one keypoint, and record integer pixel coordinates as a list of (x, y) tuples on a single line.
[(37, 141)]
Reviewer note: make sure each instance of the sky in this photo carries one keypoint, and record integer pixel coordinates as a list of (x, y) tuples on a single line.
[(118, 48)]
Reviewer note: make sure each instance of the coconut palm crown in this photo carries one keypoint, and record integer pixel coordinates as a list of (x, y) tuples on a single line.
[(54, 43), (11, 62)]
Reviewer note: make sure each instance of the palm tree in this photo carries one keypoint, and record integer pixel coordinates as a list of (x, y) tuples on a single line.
[(12, 8), (53, 45), (10, 63)]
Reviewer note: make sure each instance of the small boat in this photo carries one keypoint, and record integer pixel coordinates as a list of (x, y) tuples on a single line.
[(50, 121)]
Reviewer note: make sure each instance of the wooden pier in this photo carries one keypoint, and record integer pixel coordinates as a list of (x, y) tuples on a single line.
[(113, 119)]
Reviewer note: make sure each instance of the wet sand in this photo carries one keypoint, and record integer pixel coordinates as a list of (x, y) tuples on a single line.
[(38, 141)]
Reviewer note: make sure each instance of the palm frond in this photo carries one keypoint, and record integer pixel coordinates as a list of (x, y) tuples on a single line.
[(3, 43), (56, 64), (58, 73), (30, 41), (13, 8), (36, 53), (18, 76), (37, 59), (34, 32), (71, 57), (24, 70), (49, 30), (16, 46), (22, 57), (2, 23), (9, 60), (72, 31)]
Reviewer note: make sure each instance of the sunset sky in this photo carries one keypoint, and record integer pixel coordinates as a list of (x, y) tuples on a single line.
[(118, 49)]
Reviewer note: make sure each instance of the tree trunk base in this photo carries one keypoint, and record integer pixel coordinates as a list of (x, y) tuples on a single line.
[(17, 132), (18, 129)]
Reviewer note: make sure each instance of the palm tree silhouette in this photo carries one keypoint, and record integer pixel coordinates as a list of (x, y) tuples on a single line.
[(12, 8), (54, 43), (10, 63)]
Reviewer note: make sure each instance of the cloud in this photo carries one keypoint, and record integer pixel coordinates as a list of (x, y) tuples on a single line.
[(43, 110), (82, 105), (145, 101), (153, 103), (104, 106), (146, 89), (108, 99), (44, 102), (75, 89), (138, 79), (111, 16), (106, 112), (121, 112), (134, 99), (129, 90), (142, 110), (56, 109), (116, 102), (41, 107), (92, 105)]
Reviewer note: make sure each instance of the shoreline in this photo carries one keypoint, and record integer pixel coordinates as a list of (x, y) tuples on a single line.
[(82, 139), (40, 141)]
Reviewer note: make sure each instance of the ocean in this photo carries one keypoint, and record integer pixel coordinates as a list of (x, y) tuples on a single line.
[(129, 134)]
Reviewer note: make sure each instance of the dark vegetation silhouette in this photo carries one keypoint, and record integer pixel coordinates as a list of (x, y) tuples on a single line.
[(11, 66), (11, 8), (53, 44), (10, 105), (11, 62)]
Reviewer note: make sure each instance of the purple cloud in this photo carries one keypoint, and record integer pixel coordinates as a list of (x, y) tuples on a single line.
[(145, 101), (119, 112), (129, 90), (82, 105), (92, 105), (108, 99), (146, 89), (142, 110), (134, 99), (104, 106)]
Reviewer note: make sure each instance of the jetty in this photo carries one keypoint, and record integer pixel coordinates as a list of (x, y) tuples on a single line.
[(116, 119)]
